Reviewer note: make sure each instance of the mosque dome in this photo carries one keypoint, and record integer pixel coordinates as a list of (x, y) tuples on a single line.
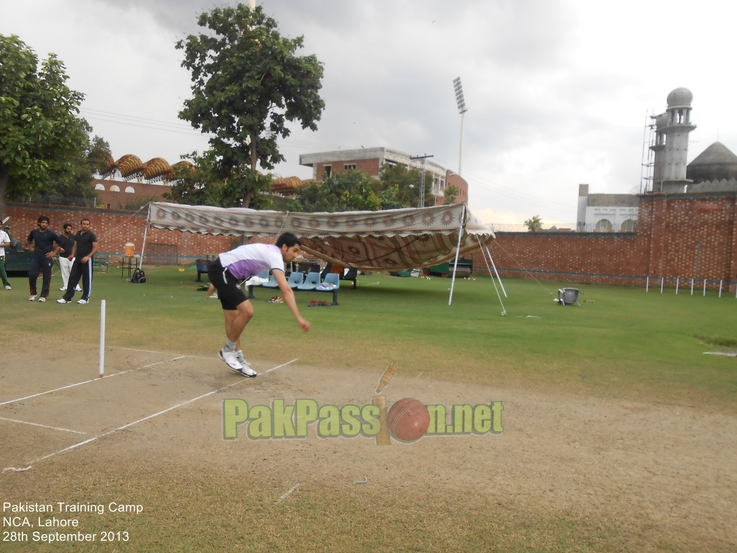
[(680, 98), (717, 162), (661, 120)]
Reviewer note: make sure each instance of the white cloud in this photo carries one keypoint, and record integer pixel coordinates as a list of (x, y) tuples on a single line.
[(557, 91)]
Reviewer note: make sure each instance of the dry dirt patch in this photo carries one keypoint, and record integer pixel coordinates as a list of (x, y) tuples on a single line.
[(624, 475)]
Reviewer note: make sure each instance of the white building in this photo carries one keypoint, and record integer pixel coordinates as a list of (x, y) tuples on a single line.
[(606, 212)]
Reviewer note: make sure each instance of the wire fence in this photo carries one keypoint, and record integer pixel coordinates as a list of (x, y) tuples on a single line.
[(692, 286), (677, 285)]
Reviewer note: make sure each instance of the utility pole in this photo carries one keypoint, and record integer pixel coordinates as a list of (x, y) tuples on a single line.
[(422, 178)]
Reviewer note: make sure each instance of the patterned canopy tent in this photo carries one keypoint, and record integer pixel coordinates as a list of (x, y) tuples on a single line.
[(368, 240)]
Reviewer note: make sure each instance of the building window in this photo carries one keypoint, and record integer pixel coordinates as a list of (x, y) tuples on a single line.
[(130, 190), (603, 225), (114, 188), (349, 166), (99, 186), (327, 169), (629, 226)]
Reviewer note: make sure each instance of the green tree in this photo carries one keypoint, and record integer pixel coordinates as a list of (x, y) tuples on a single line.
[(98, 154), (400, 187), (342, 191), (76, 184), (451, 194), (534, 224), (247, 84), (202, 183), (195, 183), (40, 133)]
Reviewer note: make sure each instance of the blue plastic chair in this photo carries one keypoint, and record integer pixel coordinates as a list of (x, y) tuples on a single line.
[(272, 282), (250, 287), (311, 282), (332, 278), (295, 279)]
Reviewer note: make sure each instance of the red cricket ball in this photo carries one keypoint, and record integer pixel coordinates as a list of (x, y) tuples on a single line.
[(408, 420)]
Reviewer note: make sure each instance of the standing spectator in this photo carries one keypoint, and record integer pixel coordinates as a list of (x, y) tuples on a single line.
[(65, 255), (4, 243), (85, 246), (44, 244)]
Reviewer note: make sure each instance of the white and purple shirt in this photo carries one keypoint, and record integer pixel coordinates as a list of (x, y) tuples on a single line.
[(252, 259), (4, 237)]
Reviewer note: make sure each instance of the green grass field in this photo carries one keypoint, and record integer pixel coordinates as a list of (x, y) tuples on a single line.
[(621, 342), (542, 488)]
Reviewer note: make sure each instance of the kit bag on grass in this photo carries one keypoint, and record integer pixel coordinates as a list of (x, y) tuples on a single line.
[(138, 276)]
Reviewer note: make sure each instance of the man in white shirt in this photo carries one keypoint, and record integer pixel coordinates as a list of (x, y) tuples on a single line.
[(4, 243), (65, 258), (233, 267)]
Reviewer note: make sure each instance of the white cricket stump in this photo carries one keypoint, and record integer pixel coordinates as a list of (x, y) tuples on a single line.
[(102, 338)]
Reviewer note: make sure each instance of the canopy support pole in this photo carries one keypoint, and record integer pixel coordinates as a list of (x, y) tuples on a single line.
[(495, 271), (483, 254), (145, 234), (458, 251)]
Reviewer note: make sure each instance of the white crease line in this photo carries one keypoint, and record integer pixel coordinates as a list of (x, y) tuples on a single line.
[(93, 380), (141, 350), (282, 365), (42, 425), (90, 440), (159, 352), (287, 493)]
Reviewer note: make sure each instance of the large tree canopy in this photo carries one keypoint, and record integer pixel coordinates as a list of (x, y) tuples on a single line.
[(201, 183), (397, 187), (247, 84), (40, 133), (342, 191), (401, 187), (75, 186)]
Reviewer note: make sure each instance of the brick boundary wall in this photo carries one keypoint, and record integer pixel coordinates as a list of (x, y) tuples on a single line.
[(686, 236), (581, 257), (116, 228)]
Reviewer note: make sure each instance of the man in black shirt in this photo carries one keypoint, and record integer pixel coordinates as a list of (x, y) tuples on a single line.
[(44, 244), (65, 256), (85, 246)]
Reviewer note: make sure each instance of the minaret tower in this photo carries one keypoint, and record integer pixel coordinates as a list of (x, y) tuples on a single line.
[(671, 143)]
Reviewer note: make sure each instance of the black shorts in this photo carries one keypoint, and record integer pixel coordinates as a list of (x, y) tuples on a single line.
[(229, 293)]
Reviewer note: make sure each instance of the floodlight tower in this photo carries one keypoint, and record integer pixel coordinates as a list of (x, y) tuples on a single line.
[(462, 110)]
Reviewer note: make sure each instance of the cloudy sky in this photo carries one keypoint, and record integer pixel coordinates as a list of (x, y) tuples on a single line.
[(558, 91)]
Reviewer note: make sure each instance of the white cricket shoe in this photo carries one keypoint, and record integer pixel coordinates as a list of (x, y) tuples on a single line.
[(62, 289), (246, 369), (62, 300), (83, 302), (41, 299), (231, 359), (32, 297), (8, 287)]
